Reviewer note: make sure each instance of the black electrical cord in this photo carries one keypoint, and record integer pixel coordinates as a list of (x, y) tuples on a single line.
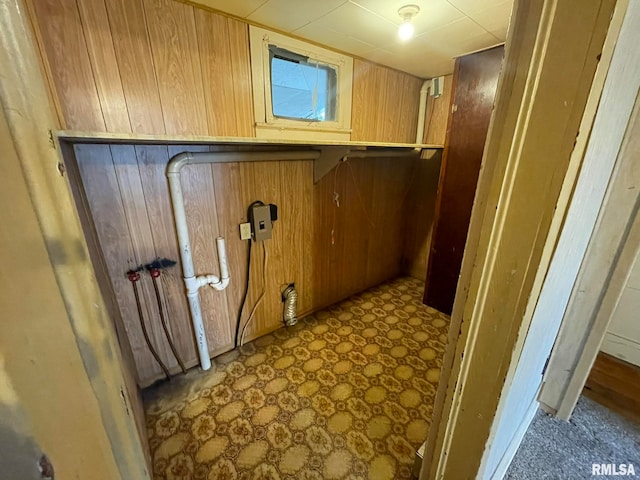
[(244, 297), (246, 287)]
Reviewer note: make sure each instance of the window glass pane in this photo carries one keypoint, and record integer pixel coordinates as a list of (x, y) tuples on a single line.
[(302, 90)]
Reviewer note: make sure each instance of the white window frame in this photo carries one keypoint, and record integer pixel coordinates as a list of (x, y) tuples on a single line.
[(270, 126)]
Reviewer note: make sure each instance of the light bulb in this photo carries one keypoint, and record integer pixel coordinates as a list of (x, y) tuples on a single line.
[(405, 32)]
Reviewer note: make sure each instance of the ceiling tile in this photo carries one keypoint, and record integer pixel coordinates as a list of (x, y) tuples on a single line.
[(234, 7), (357, 22), (501, 33), (458, 38), (433, 13), (333, 39), (495, 17), (469, 7), (279, 14), (424, 63)]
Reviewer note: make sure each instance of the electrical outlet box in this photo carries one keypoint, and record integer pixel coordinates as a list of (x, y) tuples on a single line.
[(245, 231), (261, 222)]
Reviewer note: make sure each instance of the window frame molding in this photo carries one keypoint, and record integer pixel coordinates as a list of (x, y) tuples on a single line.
[(271, 126)]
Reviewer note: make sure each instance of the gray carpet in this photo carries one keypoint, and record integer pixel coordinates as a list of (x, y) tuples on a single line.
[(555, 449)]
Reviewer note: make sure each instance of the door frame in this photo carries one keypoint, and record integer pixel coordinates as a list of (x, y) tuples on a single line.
[(607, 265), (601, 134), (552, 53)]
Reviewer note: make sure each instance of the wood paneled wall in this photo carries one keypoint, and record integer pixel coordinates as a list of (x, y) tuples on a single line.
[(421, 206), (437, 114), (424, 186), (385, 104), (164, 67), (329, 249), (146, 66)]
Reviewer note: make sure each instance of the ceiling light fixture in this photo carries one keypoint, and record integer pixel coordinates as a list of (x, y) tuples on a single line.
[(405, 32)]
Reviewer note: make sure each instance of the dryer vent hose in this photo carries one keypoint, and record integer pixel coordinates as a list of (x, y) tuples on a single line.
[(290, 299)]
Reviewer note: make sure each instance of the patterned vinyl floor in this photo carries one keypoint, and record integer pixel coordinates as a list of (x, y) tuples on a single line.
[(345, 394)]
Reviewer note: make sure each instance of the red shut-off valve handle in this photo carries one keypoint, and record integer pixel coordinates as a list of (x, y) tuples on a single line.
[(133, 276)]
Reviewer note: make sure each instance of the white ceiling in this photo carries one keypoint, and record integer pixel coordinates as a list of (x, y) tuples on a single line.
[(368, 28)]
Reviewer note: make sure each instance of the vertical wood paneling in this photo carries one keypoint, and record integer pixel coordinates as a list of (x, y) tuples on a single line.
[(105, 67), (362, 115), (172, 34), (231, 212), (142, 242), (305, 278), (64, 43), (421, 205), (201, 207), (152, 162), (133, 53), (408, 121), (437, 114), (129, 199), (241, 71), (163, 67), (385, 104), (218, 82), (261, 181), (103, 194)]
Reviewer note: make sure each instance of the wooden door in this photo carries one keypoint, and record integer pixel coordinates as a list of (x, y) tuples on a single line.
[(474, 88)]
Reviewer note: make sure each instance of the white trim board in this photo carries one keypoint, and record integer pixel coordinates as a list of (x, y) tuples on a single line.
[(510, 453)]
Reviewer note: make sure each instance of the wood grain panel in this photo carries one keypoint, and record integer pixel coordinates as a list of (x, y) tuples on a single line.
[(68, 61), (616, 385), (385, 104), (261, 181), (137, 74), (408, 120), (241, 71), (215, 57), (142, 242), (103, 194), (421, 204), (201, 208), (437, 114), (105, 67), (475, 83), (152, 162), (172, 34), (361, 107), (231, 212)]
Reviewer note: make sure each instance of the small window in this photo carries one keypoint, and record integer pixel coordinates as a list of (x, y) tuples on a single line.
[(302, 89), (299, 87)]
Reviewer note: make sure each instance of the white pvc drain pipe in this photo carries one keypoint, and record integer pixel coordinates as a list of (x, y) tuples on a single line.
[(191, 281)]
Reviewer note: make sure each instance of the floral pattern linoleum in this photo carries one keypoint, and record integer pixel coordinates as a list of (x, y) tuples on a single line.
[(345, 394)]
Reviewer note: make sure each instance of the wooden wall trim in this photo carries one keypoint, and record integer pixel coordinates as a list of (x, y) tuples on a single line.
[(556, 51)]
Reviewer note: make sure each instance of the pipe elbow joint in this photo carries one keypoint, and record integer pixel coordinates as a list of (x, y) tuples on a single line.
[(177, 162), (222, 284)]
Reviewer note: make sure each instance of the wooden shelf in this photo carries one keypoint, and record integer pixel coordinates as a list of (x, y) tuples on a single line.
[(75, 136)]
